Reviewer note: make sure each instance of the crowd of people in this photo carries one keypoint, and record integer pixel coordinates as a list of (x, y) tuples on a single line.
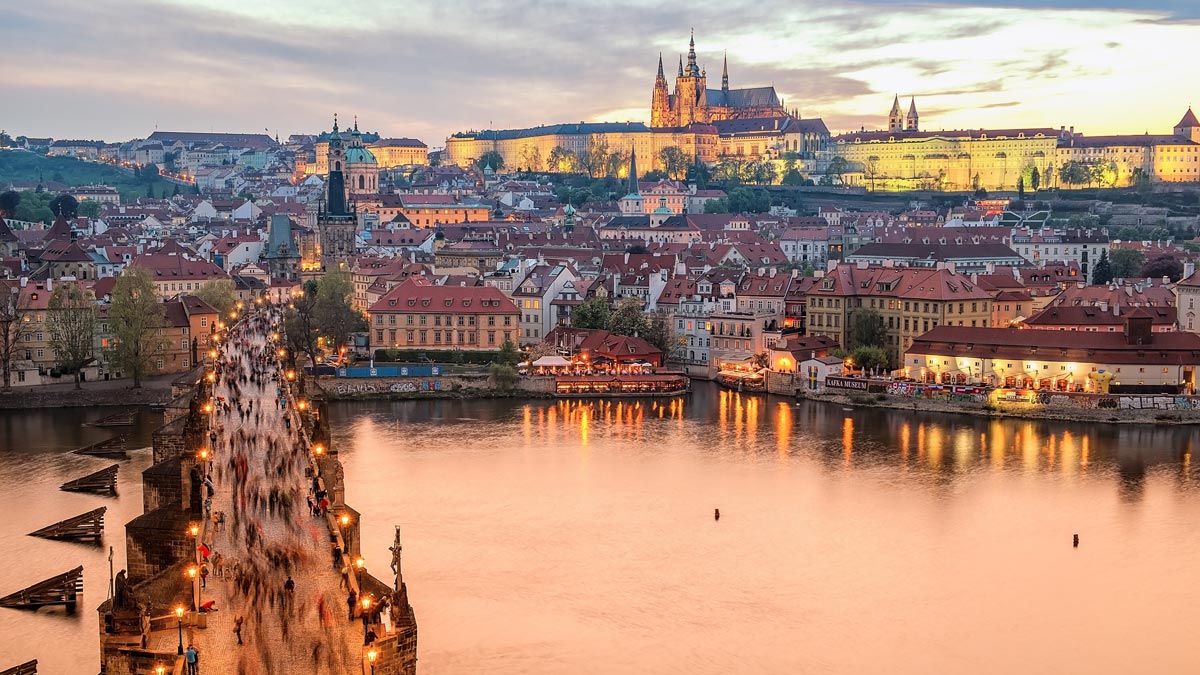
[(260, 470)]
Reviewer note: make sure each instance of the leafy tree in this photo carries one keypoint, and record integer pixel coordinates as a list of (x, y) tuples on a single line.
[(220, 293), (674, 161), (636, 248), (9, 200), (1102, 273), (336, 315), (72, 324), (699, 174), (136, 317), (654, 176), (868, 329), (1021, 188), (1126, 262), (1129, 233), (629, 318), (531, 158), (491, 158), (838, 167), (150, 191), (763, 172), (504, 375), (300, 323), (561, 160), (148, 173), (1140, 180), (1164, 265), (869, 357), (593, 313), (508, 354), (35, 207), (616, 163), (14, 309), (1074, 173), (661, 334), (794, 178), (594, 160), (760, 360), (65, 206), (1035, 179), (90, 209)]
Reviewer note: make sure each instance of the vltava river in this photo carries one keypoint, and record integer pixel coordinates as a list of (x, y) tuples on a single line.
[(579, 537)]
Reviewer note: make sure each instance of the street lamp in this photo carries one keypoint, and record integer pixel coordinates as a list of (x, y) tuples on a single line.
[(159, 670), (302, 405), (371, 656), (318, 449), (179, 615), (360, 563), (366, 605), (194, 573), (345, 520)]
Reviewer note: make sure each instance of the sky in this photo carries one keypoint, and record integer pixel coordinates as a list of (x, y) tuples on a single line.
[(119, 69)]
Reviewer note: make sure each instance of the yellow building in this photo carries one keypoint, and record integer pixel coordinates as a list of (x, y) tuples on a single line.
[(910, 302), (534, 148), (391, 152), (1173, 158)]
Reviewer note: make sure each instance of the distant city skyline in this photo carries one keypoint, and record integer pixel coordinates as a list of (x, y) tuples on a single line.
[(120, 69)]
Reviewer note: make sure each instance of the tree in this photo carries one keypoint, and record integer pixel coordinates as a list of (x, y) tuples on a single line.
[(65, 206), (1164, 265), (661, 334), (9, 201), (531, 158), (761, 360), (148, 173), (300, 323), (220, 293), (136, 317), (561, 160), (491, 158), (838, 166), (869, 357), (336, 316), (794, 178), (1035, 179), (763, 172), (699, 174), (1140, 180), (617, 161), (593, 160), (868, 329), (14, 310), (1021, 188), (1102, 273), (1074, 173), (72, 322), (629, 319), (871, 170), (90, 209), (504, 375), (1126, 262), (593, 313), (508, 354), (674, 161)]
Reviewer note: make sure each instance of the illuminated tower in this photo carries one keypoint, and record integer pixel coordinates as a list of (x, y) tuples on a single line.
[(337, 225), (896, 117), (660, 102), (691, 102), (912, 122), (1188, 127)]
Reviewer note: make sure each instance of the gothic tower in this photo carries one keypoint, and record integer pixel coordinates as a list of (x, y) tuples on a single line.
[(725, 74), (1188, 127), (336, 225), (691, 102), (912, 122), (896, 118), (660, 102)]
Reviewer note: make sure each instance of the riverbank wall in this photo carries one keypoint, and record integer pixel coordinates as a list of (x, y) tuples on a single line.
[(445, 386)]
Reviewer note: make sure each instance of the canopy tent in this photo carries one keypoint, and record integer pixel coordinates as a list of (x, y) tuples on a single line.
[(551, 362)]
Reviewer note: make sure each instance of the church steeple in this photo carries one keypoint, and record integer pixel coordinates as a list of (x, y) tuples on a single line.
[(660, 70), (896, 117), (633, 173), (693, 70), (725, 73), (680, 65), (912, 122), (660, 100)]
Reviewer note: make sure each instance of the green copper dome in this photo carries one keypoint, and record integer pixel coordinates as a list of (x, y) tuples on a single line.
[(359, 155)]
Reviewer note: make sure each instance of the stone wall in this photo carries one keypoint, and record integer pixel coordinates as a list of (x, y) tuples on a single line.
[(168, 440), (784, 384), (155, 541), (162, 485), (418, 387)]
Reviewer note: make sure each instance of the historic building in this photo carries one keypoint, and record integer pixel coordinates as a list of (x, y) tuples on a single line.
[(905, 158), (416, 314), (336, 224), (1162, 158), (694, 102)]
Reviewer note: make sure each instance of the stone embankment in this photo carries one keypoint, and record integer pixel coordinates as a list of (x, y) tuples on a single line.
[(156, 392)]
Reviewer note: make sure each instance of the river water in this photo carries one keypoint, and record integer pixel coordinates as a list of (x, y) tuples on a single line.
[(579, 537), (35, 458)]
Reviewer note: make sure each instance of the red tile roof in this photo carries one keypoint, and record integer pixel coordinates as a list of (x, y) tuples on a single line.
[(416, 295)]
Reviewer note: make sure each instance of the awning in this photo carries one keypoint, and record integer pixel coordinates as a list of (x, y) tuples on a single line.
[(551, 362)]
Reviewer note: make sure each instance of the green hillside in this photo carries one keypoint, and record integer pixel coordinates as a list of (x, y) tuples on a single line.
[(31, 167)]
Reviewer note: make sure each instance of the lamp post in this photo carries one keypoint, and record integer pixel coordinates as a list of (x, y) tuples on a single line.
[(366, 605), (179, 615), (194, 574), (371, 656), (159, 670)]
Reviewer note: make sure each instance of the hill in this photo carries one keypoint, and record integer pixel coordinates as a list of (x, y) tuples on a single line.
[(18, 167)]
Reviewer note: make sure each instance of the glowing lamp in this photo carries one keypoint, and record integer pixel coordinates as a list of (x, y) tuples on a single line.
[(179, 612), (372, 655), (345, 520), (360, 563), (366, 603), (192, 571), (302, 404)]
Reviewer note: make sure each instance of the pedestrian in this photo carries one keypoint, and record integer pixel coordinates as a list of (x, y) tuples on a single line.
[(290, 586), (237, 628), (192, 658), (352, 602)]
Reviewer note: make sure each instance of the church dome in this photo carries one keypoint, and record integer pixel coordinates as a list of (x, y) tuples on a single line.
[(359, 155)]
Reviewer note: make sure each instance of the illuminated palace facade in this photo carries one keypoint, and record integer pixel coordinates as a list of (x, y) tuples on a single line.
[(906, 158)]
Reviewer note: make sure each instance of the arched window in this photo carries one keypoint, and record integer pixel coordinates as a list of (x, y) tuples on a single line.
[(360, 182), (337, 166)]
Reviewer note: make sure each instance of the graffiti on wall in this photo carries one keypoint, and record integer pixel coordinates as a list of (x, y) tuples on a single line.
[(354, 388)]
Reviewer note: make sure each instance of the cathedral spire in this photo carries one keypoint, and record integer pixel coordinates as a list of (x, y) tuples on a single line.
[(725, 72), (660, 70), (680, 65), (693, 70)]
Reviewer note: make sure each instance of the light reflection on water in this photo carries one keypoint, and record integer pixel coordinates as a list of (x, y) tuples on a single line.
[(578, 536)]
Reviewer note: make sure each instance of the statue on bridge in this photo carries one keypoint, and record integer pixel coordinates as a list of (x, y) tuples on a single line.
[(395, 549)]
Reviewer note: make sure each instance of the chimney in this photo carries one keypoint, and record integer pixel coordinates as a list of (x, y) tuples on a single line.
[(1104, 306), (49, 285), (773, 271), (24, 281)]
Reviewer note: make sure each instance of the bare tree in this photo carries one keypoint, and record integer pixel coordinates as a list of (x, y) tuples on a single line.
[(72, 322), (14, 311)]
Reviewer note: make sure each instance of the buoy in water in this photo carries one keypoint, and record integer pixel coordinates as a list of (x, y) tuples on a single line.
[(716, 514), (1076, 541)]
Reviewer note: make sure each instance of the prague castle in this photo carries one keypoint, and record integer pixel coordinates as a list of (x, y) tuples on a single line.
[(694, 102)]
